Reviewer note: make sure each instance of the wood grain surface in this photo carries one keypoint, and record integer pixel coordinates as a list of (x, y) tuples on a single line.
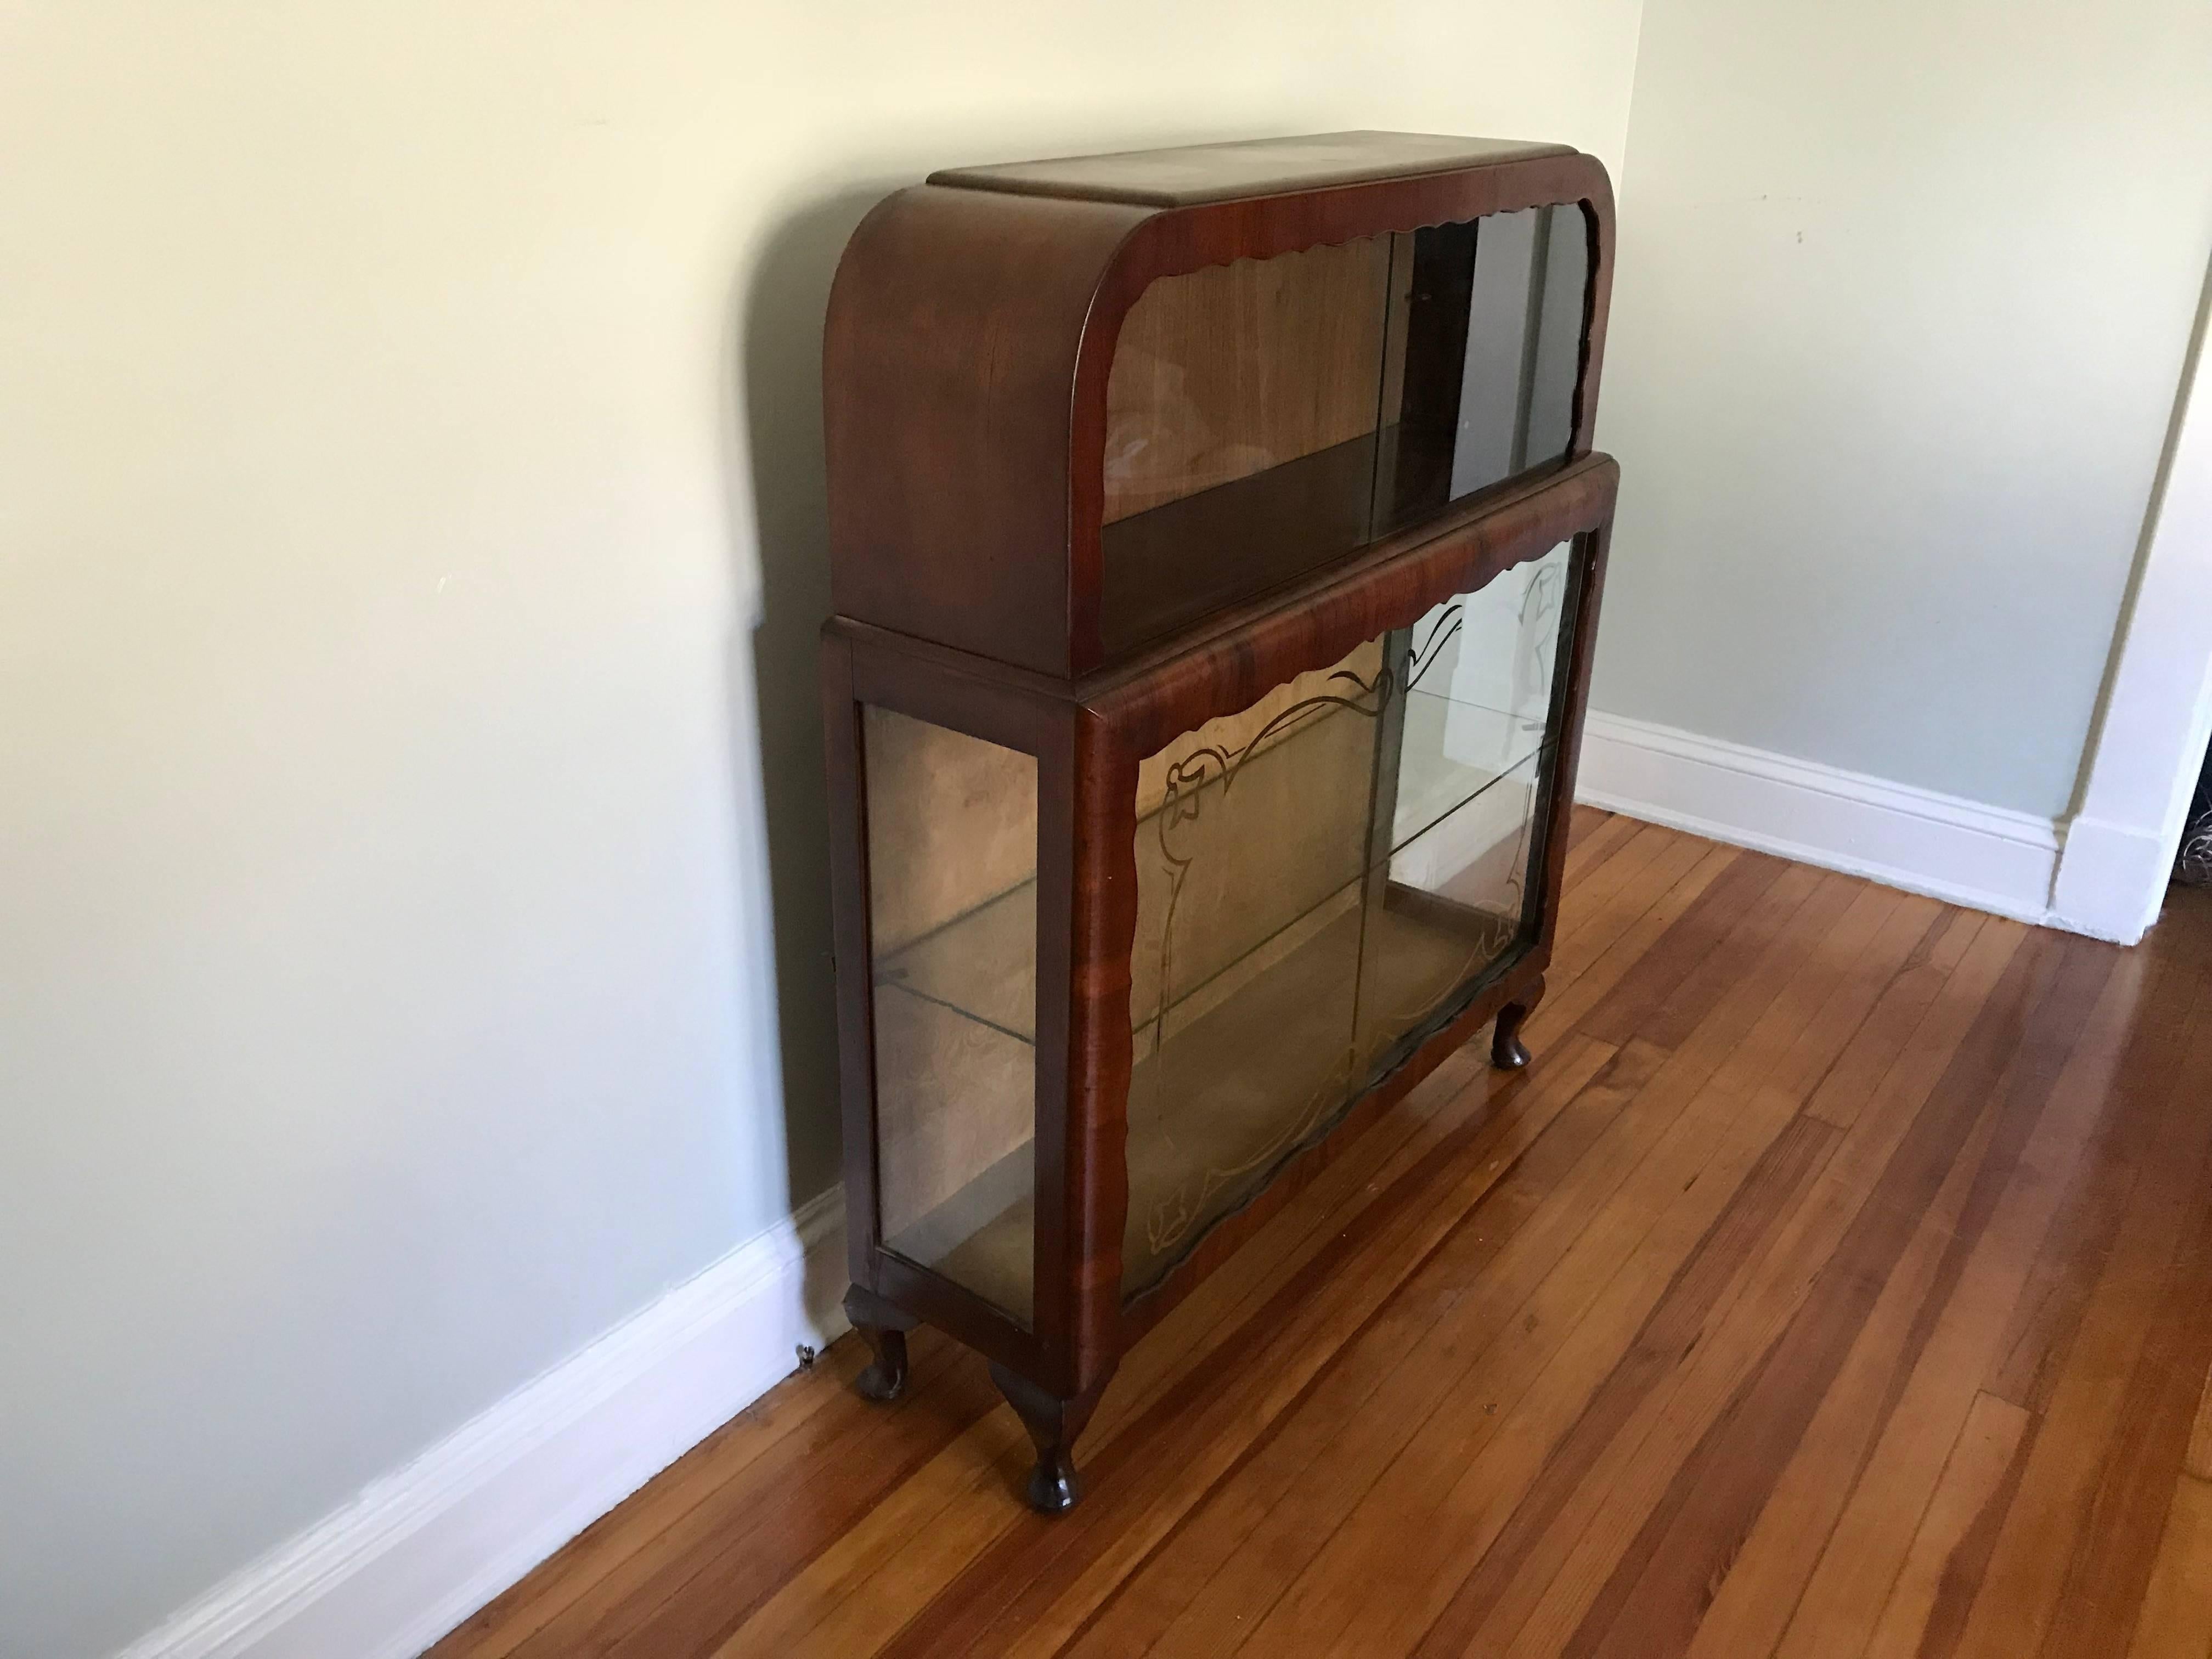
[(1225, 372), (1837, 1281)]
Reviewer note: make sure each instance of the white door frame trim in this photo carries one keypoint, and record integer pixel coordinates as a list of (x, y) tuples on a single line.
[(2151, 733)]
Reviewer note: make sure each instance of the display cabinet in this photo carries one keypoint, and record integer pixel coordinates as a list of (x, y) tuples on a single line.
[(1216, 549)]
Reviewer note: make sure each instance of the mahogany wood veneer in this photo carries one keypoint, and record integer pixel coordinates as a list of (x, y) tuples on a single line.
[(1216, 547)]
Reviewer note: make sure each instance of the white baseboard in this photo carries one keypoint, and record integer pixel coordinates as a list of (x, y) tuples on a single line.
[(425, 1546), (2112, 881), (1985, 858)]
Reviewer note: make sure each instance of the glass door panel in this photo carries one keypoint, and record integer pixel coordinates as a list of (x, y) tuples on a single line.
[(1484, 358), (1321, 880), (1266, 417), (1448, 907), (1241, 416), (1479, 688), (1251, 845)]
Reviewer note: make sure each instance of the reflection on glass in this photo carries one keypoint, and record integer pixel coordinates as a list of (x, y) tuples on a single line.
[(1449, 904), (1451, 897), (953, 843), (1267, 417), (1479, 688), (1491, 337)]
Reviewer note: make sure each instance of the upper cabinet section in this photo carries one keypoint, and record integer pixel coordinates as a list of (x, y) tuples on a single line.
[(1075, 408), (1266, 418)]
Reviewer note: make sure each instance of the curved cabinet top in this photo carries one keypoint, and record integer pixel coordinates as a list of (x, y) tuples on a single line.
[(973, 328)]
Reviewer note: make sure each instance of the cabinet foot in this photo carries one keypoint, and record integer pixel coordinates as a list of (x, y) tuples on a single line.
[(884, 1328), (1055, 1485), (1507, 1051)]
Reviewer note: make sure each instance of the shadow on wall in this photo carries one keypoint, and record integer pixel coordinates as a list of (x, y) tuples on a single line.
[(779, 316)]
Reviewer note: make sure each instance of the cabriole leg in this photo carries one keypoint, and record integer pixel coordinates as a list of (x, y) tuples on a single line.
[(884, 1328), (1507, 1051), (1052, 1424)]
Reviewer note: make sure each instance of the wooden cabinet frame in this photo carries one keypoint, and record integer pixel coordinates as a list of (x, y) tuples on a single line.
[(971, 333)]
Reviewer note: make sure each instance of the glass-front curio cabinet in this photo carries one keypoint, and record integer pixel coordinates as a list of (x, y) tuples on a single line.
[(1216, 552)]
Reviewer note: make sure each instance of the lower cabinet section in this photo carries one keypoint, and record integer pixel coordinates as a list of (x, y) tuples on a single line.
[(1078, 1051)]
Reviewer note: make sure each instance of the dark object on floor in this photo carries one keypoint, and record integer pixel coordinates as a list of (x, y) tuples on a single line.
[(2193, 864)]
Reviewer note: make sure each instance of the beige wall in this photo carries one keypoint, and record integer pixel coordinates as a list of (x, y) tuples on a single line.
[(1905, 290), (410, 557)]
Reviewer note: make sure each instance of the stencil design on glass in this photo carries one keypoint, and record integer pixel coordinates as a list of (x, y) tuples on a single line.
[(1188, 780)]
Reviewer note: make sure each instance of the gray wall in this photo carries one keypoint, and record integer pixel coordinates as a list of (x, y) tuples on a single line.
[(409, 563), (1905, 289)]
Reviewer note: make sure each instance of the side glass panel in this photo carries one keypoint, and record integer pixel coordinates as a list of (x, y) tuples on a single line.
[(1322, 880), (952, 846), (1266, 417)]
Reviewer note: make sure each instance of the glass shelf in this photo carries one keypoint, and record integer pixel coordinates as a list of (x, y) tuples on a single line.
[(981, 965)]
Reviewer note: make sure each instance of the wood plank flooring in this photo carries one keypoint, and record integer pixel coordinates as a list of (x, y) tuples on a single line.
[(1837, 1283)]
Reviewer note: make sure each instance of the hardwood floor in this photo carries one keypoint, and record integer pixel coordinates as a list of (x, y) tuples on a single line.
[(1836, 1282)]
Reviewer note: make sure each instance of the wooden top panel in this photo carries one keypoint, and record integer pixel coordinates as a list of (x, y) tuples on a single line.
[(1194, 173)]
